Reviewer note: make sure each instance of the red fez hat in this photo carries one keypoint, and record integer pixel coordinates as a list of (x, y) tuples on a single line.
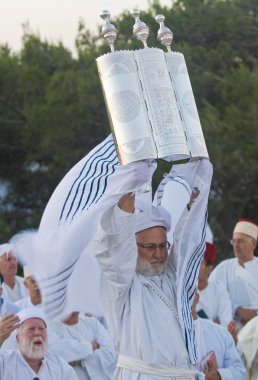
[(210, 253)]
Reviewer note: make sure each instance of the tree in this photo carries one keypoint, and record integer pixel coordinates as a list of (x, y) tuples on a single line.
[(52, 110)]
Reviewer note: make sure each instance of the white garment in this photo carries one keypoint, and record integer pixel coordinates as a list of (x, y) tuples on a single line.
[(247, 343), (132, 306), (141, 310), (216, 338), (7, 308), (215, 302), (19, 290), (240, 282), (74, 343), (13, 367)]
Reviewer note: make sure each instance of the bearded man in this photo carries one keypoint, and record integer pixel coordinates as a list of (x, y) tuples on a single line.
[(141, 277), (31, 361)]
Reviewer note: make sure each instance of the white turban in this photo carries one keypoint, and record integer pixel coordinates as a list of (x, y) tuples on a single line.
[(31, 312), (248, 227), (152, 216)]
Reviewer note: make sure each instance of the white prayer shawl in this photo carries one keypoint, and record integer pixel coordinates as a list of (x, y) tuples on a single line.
[(247, 341), (213, 337), (142, 312), (61, 254), (74, 343), (189, 239), (13, 366), (17, 292), (63, 247), (240, 282), (215, 302)]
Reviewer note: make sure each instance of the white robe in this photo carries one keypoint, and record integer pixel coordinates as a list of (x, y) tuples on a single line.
[(240, 282), (213, 337), (18, 292), (148, 328), (215, 302), (141, 311), (74, 343), (13, 367)]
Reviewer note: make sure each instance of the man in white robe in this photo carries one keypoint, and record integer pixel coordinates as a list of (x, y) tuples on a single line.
[(139, 290), (31, 361), (85, 343), (13, 286), (214, 302), (82, 342), (216, 350), (238, 276)]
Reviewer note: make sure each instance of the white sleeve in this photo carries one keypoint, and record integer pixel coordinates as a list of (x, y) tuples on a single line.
[(225, 313), (233, 367), (218, 275), (102, 363), (116, 251), (69, 349)]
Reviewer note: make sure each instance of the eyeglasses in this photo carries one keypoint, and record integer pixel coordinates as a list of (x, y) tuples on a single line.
[(36, 378), (163, 247), (239, 241)]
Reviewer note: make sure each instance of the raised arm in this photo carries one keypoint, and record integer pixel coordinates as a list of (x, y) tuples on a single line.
[(8, 324)]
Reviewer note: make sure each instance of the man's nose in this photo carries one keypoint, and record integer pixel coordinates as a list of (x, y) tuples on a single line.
[(157, 253)]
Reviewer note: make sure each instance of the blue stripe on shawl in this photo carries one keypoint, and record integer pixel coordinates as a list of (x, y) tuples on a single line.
[(108, 144), (189, 285), (97, 174), (102, 181), (94, 164)]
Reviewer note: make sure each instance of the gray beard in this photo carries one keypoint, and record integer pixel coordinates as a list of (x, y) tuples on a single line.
[(31, 351), (145, 268)]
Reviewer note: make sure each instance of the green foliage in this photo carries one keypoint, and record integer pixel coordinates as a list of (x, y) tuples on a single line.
[(52, 110)]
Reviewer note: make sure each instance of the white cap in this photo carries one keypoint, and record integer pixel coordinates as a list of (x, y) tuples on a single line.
[(152, 217), (5, 248), (248, 227), (31, 312)]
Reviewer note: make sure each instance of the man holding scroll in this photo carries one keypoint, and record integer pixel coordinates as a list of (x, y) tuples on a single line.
[(148, 288)]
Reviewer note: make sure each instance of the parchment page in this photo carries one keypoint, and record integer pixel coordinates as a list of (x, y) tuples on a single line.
[(126, 107), (168, 131), (181, 82)]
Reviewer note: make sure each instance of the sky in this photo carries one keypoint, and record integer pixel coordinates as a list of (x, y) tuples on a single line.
[(57, 20)]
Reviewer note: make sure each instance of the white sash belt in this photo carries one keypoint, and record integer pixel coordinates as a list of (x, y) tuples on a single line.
[(136, 365)]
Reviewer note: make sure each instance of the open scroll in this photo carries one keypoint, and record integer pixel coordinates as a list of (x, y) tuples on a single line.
[(150, 104), (149, 100)]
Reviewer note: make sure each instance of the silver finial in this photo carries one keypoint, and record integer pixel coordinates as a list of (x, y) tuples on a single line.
[(109, 31), (140, 29), (165, 36)]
